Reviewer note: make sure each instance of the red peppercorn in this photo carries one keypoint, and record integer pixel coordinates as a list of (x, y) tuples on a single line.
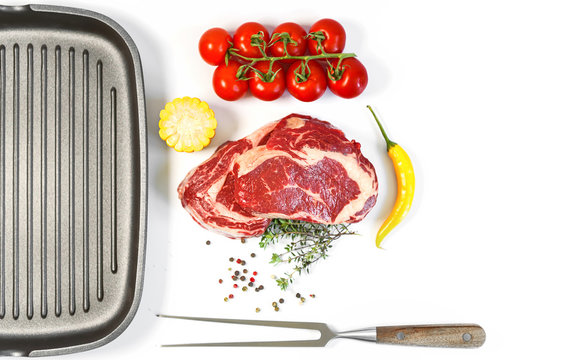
[(235, 286), (231, 296), (255, 273), (238, 261), (252, 279)]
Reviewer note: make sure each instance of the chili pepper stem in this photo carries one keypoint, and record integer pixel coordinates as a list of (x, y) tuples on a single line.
[(390, 143)]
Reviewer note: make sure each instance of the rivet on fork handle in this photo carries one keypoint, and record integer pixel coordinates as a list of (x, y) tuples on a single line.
[(459, 336)]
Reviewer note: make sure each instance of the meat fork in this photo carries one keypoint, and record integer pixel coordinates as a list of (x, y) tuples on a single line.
[(450, 335)]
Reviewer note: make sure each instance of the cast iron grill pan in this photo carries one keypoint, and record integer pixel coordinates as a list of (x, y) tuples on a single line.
[(72, 180)]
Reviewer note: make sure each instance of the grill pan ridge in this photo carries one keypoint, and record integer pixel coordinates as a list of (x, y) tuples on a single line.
[(73, 180)]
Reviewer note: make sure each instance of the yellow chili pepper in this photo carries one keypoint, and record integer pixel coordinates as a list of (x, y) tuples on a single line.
[(405, 184)]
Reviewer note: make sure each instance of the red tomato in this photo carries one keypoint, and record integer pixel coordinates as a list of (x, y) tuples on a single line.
[(310, 85), (226, 84), (243, 35), (213, 45), (270, 86), (334, 41), (350, 79), (297, 34)]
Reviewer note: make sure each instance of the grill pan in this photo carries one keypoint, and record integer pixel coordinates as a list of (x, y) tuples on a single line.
[(73, 180)]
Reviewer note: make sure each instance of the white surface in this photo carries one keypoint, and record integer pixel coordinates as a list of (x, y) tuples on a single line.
[(477, 92)]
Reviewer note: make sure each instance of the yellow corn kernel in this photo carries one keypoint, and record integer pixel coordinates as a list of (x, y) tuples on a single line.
[(187, 124)]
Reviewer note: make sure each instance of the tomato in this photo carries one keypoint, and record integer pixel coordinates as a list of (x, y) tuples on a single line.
[(272, 85), (334, 37), (213, 45), (349, 80), (243, 35), (297, 34), (226, 84), (310, 85)]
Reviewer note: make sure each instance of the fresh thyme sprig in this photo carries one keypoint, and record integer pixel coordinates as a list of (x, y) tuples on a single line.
[(308, 242)]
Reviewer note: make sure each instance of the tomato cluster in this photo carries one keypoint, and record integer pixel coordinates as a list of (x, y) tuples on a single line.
[(304, 63)]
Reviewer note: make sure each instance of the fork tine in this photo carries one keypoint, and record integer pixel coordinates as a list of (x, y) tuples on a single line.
[(284, 324), (286, 343)]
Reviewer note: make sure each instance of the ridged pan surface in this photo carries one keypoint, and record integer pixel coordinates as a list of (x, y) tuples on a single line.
[(72, 180)]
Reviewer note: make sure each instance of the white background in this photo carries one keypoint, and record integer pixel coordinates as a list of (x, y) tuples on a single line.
[(476, 91)]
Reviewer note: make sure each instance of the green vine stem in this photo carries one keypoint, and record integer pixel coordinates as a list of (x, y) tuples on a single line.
[(257, 40)]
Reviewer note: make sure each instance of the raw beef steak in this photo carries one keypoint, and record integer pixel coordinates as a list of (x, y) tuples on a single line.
[(306, 170), (207, 191)]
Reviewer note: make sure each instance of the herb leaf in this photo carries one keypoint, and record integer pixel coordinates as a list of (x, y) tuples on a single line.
[(308, 243)]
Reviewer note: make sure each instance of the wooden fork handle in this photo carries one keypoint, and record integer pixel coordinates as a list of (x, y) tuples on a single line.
[(454, 335)]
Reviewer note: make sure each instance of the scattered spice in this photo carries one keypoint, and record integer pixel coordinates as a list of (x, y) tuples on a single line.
[(252, 279), (235, 286), (261, 287), (250, 284), (231, 259), (277, 308), (253, 255), (281, 301), (258, 309), (231, 296), (243, 241), (302, 299), (244, 288), (274, 304), (207, 242), (298, 295), (238, 261), (243, 262), (236, 273), (255, 273), (242, 278), (245, 271), (226, 299), (312, 295), (220, 281), (234, 278)]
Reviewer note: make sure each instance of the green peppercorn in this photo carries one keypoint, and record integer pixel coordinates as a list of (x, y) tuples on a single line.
[(244, 288), (274, 304), (277, 308), (258, 309)]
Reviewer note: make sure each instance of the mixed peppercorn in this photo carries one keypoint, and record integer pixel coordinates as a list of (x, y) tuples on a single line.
[(242, 274)]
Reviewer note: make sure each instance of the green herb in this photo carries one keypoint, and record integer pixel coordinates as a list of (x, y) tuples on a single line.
[(308, 242)]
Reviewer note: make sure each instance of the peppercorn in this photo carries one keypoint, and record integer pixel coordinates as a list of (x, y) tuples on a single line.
[(243, 262), (234, 278), (226, 299), (243, 241), (277, 308), (274, 304), (302, 299), (236, 273), (257, 289), (207, 242), (298, 295), (252, 279), (258, 309), (312, 295), (231, 259), (261, 287), (253, 255), (250, 284), (255, 273), (281, 301), (238, 261), (244, 288), (235, 286), (245, 271), (231, 296), (220, 281), (242, 278)]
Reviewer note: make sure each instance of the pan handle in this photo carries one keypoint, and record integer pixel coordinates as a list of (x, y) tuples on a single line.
[(450, 335)]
